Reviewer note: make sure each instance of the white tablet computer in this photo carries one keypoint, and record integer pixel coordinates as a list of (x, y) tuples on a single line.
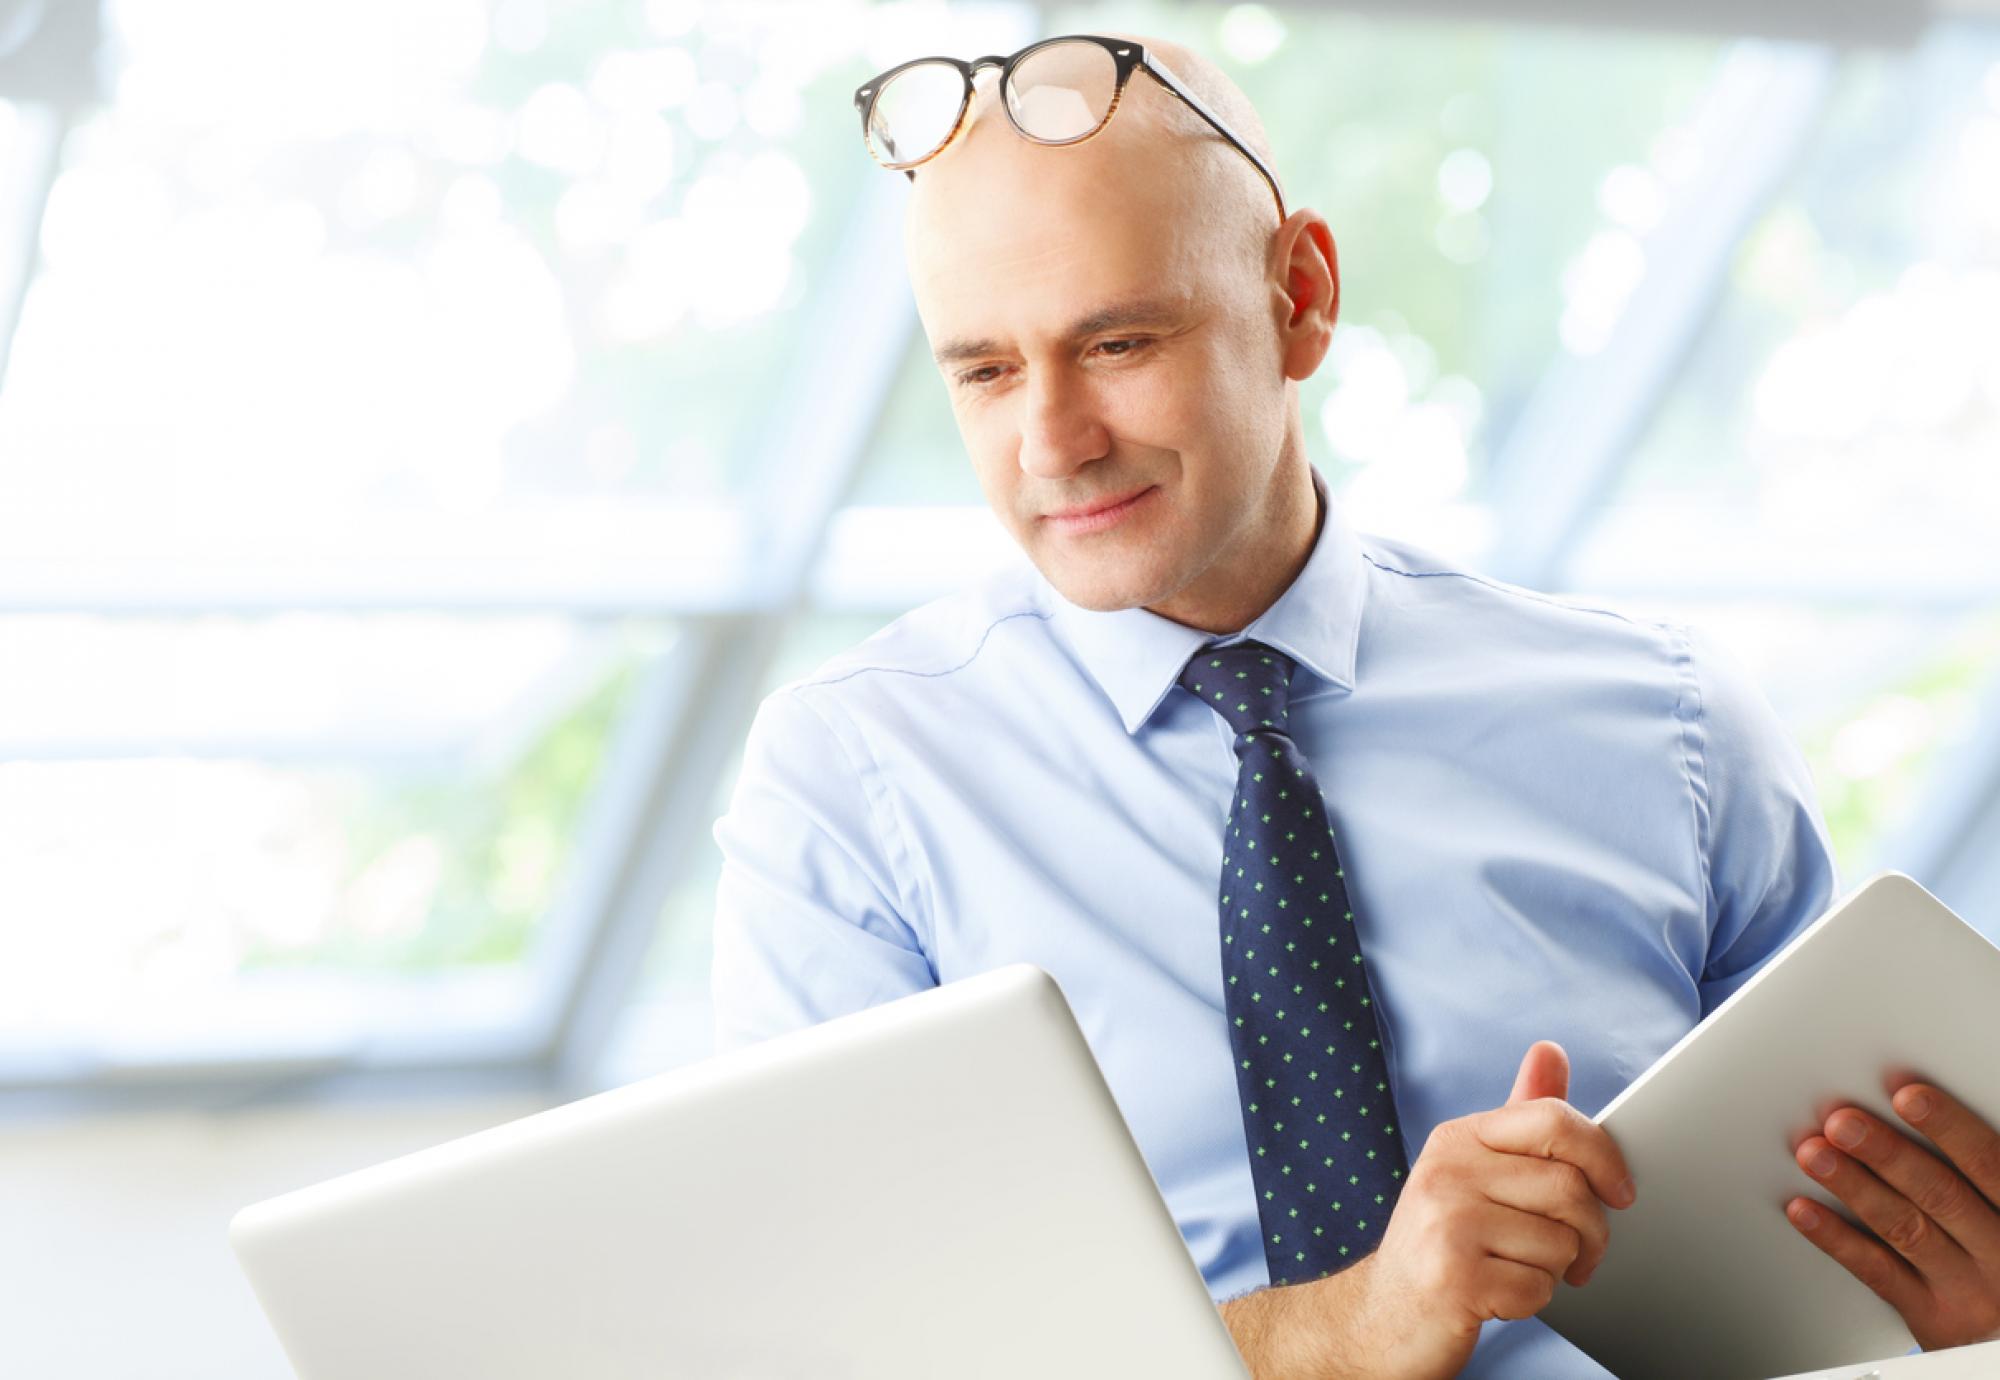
[(1704, 1276), (939, 1185), (1980, 1361)]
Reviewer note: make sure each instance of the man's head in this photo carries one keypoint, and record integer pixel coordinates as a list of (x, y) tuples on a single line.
[(1012, 245)]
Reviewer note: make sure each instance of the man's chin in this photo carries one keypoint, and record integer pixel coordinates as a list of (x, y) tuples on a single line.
[(1097, 591)]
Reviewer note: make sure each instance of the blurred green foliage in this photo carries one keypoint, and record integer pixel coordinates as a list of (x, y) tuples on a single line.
[(1861, 809), (500, 833)]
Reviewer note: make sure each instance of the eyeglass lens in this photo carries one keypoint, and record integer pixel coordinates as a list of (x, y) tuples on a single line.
[(1057, 94)]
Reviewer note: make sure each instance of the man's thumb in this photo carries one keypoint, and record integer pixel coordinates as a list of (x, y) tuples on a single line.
[(1544, 1073)]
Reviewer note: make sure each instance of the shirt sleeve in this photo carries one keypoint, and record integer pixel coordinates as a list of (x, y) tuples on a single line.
[(812, 918), (1768, 861)]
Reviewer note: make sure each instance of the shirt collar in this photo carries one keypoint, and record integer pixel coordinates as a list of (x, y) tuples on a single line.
[(1137, 656)]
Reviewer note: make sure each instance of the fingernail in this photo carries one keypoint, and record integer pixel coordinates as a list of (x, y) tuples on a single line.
[(1846, 1134), (1820, 1162), (1917, 1107), (1806, 1216), (1628, 1193)]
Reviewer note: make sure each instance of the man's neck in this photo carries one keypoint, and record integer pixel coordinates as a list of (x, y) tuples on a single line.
[(1297, 521)]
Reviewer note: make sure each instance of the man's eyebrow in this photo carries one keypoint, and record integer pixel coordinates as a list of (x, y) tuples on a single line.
[(1144, 311)]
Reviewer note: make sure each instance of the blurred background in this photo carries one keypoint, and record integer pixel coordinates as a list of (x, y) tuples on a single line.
[(428, 427)]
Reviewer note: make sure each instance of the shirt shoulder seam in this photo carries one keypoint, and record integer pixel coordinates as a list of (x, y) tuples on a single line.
[(882, 807), (970, 657), (1518, 591), (1694, 760)]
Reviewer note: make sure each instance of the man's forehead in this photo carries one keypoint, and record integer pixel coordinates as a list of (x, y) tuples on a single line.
[(1010, 243), (1061, 257)]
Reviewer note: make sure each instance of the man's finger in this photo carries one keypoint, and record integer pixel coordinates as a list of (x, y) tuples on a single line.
[(1555, 1189), (1544, 1073), (1869, 1261), (1557, 1131), (1932, 1186), (1526, 1237), (1970, 1144), (1901, 1223), (1509, 1289)]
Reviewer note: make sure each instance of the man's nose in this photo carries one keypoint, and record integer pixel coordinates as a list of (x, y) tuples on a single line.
[(1059, 426)]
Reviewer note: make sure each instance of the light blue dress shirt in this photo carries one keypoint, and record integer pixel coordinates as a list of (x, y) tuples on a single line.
[(1557, 822)]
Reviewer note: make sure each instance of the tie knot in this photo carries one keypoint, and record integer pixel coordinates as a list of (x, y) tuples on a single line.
[(1247, 683)]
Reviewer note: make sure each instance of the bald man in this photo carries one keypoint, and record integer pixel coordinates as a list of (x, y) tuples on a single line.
[(1526, 843)]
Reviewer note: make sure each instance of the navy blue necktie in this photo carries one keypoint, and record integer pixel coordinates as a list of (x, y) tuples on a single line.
[(1324, 1153)]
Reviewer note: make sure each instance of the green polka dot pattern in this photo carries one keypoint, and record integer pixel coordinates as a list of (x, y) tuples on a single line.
[(1325, 1156)]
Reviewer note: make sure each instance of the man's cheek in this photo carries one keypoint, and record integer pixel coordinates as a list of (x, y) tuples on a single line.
[(999, 474)]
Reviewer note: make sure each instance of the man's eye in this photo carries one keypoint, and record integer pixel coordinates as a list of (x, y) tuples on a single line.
[(1116, 349), (1125, 349)]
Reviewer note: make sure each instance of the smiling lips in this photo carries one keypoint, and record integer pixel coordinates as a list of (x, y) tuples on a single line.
[(1096, 517)]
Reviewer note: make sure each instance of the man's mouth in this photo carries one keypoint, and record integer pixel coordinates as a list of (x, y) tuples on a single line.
[(1099, 514)]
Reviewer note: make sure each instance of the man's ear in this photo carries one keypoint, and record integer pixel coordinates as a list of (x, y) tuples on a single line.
[(1311, 270)]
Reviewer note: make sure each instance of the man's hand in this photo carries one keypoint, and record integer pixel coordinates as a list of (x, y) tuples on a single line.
[(1935, 1253), (1496, 1208)]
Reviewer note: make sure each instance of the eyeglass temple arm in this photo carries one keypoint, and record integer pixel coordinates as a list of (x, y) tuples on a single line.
[(1158, 72)]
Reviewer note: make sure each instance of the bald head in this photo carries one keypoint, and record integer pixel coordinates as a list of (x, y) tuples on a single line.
[(1153, 143)]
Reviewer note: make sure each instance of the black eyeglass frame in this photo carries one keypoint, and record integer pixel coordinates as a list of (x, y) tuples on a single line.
[(1128, 56)]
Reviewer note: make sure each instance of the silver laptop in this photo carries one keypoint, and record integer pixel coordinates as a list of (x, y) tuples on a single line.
[(1704, 1276), (940, 1185)]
